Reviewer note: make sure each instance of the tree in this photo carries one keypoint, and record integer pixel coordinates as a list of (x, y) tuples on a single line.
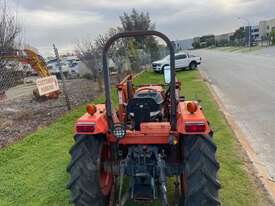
[(196, 45), (239, 35), (272, 35), (9, 28), (223, 42), (9, 34), (90, 52), (90, 56), (140, 21)]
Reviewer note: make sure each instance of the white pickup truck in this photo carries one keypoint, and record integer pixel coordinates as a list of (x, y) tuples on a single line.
[(182, 61)]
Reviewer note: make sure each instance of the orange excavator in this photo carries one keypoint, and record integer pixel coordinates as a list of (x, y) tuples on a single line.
[(36, 61)]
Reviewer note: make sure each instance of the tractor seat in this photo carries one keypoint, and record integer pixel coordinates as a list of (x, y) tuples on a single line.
[(144, 107)]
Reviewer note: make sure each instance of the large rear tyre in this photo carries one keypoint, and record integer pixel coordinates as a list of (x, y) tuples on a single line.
[(89, 184), (200, 184)]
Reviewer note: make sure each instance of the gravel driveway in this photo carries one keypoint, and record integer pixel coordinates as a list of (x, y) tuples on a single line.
[(22, 115)]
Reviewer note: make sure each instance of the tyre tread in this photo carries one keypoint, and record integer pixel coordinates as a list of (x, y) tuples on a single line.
[(201, 169), (83, 183)]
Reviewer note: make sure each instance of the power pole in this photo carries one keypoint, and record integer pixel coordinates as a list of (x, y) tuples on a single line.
[(62, 77), (249, 36)]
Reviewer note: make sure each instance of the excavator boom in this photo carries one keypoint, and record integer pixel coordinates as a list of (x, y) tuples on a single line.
[(27, 56)]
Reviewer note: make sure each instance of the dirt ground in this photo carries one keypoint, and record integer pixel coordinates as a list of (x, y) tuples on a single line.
[(23, 115)]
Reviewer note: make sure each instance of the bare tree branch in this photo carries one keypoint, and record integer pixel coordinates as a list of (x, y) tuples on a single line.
[(9, 34)]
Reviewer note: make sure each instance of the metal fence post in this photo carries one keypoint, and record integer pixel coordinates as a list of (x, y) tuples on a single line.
[(62, 77)]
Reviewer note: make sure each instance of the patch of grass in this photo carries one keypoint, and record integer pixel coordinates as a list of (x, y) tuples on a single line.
[(33, 171)]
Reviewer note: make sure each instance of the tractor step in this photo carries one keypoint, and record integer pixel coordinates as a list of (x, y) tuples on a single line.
[(143, 192), (143, 189)]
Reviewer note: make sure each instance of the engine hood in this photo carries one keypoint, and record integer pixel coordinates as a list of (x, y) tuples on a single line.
[(160, 62)]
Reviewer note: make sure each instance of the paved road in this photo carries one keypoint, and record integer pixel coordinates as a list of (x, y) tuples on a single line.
[(268, 51), (246, 86)]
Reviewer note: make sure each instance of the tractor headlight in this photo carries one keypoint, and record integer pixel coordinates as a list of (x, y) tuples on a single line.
[(119, 131)]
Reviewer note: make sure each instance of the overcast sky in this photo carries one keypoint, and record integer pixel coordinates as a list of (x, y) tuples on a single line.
[(63, 22)]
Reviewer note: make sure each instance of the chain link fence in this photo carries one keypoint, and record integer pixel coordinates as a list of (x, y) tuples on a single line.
[(11, 75)]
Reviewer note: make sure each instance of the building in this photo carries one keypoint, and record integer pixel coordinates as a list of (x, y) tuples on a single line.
[(223, 37), (183, 44), (244, 36), (196, 42), (207, 40), (204, 41), (196, 39), (254, 33), (265, 28)]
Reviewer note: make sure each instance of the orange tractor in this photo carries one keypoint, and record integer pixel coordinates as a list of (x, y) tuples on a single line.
[(128, 153)]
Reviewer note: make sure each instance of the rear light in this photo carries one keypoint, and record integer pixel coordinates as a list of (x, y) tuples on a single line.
[(195, 127), (85, 127)]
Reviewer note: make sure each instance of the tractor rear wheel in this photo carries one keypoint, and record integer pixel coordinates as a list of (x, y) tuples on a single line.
[(89, 184), (200, 185)]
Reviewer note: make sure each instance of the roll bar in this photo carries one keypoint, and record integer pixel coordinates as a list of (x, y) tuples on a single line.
[(107, 46)]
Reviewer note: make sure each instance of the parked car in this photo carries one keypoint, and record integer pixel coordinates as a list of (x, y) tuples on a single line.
[(74, 69), (182, 61), (53, 68)]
